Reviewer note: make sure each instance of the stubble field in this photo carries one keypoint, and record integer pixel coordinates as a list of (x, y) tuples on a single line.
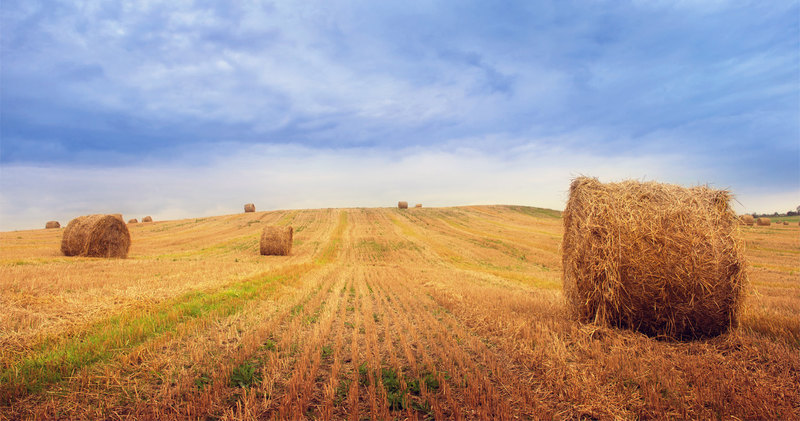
[(445, 313)]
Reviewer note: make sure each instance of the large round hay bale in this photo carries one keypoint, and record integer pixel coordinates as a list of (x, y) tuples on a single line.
[(747, 220), (52, 224), (402, 205), (147, 219), (764, 222), (133, 221), (249, 207), (658, 258), (96, 236), (276, 241)]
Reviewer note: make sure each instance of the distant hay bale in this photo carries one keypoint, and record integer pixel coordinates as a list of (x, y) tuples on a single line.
[(96, 236), (402, 205), (249, 207), (658, 258), (276, 241), (785, 222), (133, 221), (52, 224), (418, 205), (747, 220), (764, 222), (147, 219)]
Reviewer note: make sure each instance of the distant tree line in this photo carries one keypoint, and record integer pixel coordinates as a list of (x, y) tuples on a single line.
[(789, 213)]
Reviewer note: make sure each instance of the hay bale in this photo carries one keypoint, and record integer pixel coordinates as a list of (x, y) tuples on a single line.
[(147, 219), (249, 207), (747, 220), (52, 224), (658, 258), (133, 221), (402, 205), (764, 222), (118, 216), (785, 222), (96, 236), (418, 205), (276, 241)]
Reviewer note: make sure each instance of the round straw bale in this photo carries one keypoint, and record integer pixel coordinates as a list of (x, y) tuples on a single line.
[(133, 221), (418, 205), (118, 216), (276, 241), (96, 236), (249, 207), (52, 224), (764, 222), (147, 219), (747, 220), (785, 222), (402, 205), (658, 258)]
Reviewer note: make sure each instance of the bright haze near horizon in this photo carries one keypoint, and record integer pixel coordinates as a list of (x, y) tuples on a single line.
[(188, 109)]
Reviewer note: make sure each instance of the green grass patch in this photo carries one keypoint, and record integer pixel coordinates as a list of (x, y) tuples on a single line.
[(792, 220), (536, 212), (54, 360), (395, 395), (202, 381), (287, 218), (373, 247), (245, 374), (341, 391)]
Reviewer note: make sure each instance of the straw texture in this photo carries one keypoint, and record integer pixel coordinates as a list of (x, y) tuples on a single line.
[(658, 258), (276, 241), (96, 236)]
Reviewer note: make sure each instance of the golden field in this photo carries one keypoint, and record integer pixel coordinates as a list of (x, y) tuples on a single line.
[(443, 313)]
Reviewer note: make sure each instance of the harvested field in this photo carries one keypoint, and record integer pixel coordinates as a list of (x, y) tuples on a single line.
[(377, 313)]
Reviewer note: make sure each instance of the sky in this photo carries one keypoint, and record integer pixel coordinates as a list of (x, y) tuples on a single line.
[(182, 109)]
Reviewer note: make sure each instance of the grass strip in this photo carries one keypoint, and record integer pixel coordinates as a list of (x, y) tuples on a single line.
[(55, 360)]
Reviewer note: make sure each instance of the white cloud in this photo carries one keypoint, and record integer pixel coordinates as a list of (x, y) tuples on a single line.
[(284, 177)]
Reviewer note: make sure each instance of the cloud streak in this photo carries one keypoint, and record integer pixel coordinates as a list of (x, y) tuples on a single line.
[(291, 176)]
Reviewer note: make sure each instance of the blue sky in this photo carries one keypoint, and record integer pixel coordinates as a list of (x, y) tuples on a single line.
[(181, 109)]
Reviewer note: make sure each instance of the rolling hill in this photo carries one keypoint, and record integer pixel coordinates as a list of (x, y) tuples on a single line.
[(378, 313)]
